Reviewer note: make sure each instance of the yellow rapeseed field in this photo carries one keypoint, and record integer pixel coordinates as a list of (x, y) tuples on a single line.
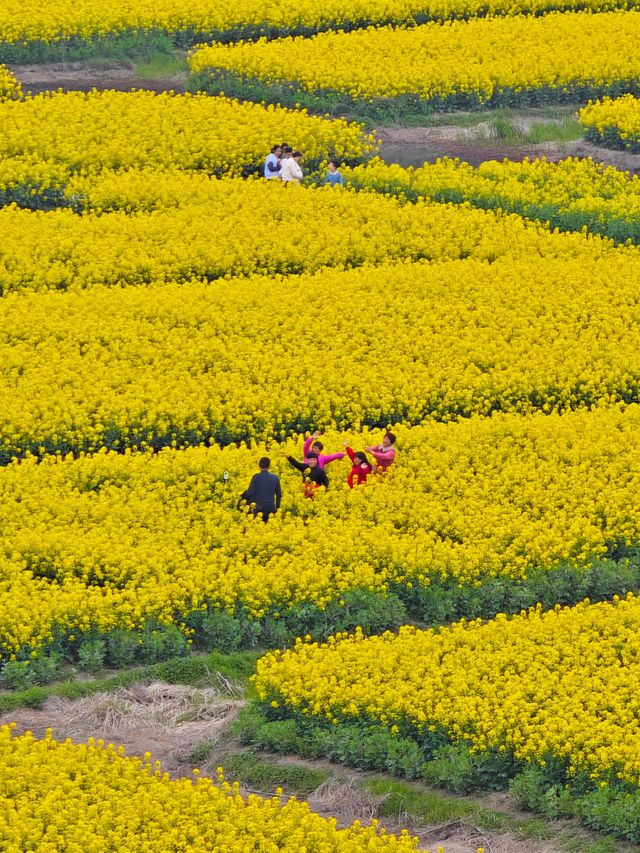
[(112, 540), (453, 62), (9, 86), (183, 226), (561, 683), (97, 130), (111, 802), (614, 122), (183, 363), (28, 21), (575, 191)]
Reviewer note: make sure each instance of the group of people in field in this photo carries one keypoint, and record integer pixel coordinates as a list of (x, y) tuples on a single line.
[(265, 493), (283, 164)]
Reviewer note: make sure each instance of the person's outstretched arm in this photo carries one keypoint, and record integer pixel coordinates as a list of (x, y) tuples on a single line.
[(325, 458), (299, 465), (382, 456), (349, 451), (308, 442)]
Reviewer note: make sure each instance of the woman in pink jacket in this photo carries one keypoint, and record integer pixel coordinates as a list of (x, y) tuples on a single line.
[(384, 453), (314, 446)]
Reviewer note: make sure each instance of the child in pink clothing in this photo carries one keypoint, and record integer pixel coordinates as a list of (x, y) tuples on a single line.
[(384, 453), (314, 446)]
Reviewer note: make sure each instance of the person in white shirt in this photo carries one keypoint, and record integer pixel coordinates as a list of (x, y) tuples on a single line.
[(272, 165), (291, 171), (287, 151)]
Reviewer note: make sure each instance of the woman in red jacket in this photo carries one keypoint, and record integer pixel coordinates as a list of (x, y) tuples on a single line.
[(361, 467)]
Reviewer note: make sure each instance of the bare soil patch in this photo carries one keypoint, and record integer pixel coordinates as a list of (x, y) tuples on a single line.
[(83, 77), (413, 146)]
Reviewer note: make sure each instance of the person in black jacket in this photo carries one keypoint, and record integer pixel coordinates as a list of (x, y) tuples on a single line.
[(264, 491), (313, 475)]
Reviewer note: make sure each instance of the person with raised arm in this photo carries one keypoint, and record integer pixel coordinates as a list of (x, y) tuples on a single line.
[(384, 453), (313, 476), (313, 445), (361, 467)]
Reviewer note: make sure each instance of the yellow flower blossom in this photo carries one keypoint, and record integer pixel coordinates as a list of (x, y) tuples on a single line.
[(614, 122), (97, 130), (9, 86), (167, 237), (182, 363), (580, 190), (87, 19)]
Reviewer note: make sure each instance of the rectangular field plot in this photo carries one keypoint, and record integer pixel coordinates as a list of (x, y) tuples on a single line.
[(179, 364), (115, 542), (559, 686), (572, 194), (175, 227), (393, 71), (93, 131), (29, 33)]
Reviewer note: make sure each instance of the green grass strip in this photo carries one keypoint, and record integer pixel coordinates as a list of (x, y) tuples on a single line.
[(196, 670)]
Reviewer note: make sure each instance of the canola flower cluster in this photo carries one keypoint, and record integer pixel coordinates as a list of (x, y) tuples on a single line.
[(571, 193), (116, 803), (9, 86), (114, 540), (35, 184), (87, 19), (561, 684), (259, 227), (183, 363), (92, 131), (613, 121), (471, 61)]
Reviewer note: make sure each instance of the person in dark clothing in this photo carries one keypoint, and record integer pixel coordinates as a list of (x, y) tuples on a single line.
[(313, 476), (264, 491)]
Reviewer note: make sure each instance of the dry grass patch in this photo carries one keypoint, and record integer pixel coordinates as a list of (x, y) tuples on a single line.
[(167, 720)]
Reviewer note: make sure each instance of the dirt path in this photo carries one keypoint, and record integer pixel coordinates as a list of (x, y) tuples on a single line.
[(83, 77), (413, 146)]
